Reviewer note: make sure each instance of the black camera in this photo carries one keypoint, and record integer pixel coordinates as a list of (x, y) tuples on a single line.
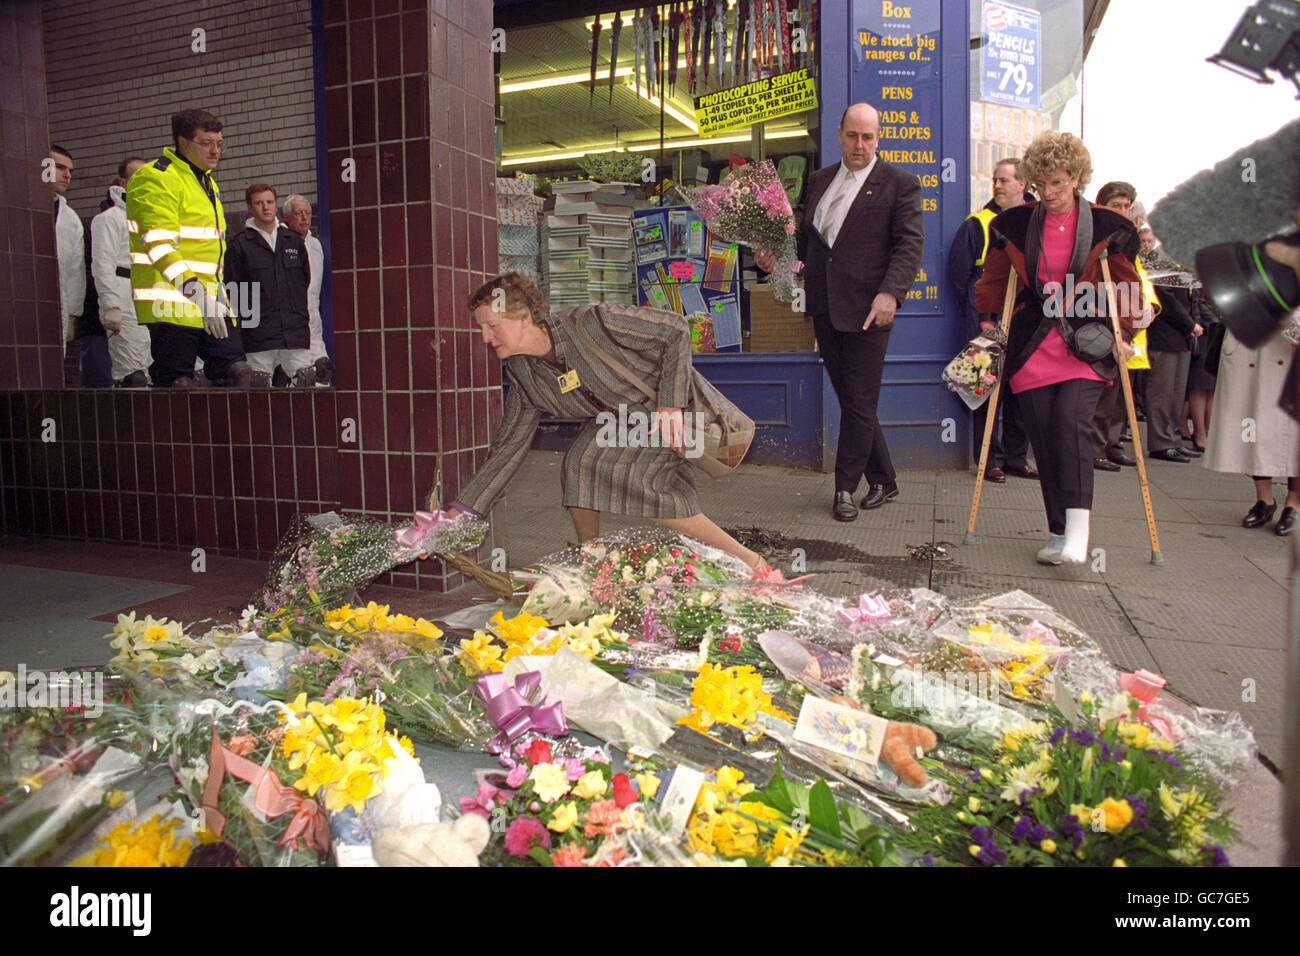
[(1253, 292)]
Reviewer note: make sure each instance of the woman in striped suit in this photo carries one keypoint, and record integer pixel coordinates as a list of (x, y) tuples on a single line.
[(551, 372)]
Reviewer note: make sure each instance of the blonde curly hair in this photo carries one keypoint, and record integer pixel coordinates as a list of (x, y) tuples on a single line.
[(521, 296), (1055, 150)]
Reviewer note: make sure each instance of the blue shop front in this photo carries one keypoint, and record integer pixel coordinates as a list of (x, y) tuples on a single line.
[(605, 119)]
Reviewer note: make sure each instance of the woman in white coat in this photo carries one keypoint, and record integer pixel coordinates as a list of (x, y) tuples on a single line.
[(1249, 433)]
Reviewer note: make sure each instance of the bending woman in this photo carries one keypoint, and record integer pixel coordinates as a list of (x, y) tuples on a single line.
[(550, 372), (1055, 245)]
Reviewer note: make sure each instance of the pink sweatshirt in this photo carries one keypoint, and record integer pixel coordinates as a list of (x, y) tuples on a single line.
[(1052, 361)]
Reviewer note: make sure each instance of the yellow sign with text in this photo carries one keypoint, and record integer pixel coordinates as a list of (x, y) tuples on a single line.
[(755, 102)]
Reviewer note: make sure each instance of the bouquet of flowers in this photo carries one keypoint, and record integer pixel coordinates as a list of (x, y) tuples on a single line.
[(976, 368), (557, 811), (325, 559), (750, 206), (1094, 797), (784, 824)]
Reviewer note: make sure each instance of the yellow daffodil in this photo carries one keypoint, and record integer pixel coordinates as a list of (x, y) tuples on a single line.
[(784, 844), (1119, 861), (565, 816), (481, 655), (973, 804), (986, 773), (1048, 846), (591, 784), (156, 634), (358, 781), (974, 849), (147, 843)]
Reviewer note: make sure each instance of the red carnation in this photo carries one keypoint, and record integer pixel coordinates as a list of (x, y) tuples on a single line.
[(539, 751), (624, 794)]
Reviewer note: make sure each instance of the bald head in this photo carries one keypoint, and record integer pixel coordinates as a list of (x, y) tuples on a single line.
[(859, 133)]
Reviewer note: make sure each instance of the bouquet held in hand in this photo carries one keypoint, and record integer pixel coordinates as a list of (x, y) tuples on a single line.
[(750, 206)]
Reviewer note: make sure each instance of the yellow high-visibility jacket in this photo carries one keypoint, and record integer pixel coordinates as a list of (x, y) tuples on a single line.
[(178, 234)]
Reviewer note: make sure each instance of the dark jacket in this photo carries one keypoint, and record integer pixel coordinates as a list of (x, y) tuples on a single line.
[(963, 272), (281, 320), (1169, 332), (1029, 325), (878, 248)]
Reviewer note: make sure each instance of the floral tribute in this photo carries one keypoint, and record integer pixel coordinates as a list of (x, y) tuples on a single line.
[(750, 206)]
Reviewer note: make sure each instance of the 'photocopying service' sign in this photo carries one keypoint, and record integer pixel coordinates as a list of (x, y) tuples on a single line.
[(750, 103)]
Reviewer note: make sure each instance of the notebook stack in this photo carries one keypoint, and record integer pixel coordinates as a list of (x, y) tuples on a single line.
[(518, 244), (589, 244)]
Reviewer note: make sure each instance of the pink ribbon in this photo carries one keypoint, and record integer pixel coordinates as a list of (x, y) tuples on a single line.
[(869, 606), (426, 522), (511, 712), (271, 798), (1143, 686)]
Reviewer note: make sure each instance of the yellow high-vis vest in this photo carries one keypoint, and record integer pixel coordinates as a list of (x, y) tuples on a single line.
[(1140, 360), (178, 233), (985, 216)]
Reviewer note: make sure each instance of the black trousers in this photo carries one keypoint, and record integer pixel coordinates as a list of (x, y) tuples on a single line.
[(1010, 443), (855, 362), (1058, 419), (175, 347)]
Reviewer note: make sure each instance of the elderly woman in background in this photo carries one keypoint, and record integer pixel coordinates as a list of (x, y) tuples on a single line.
[(551, 372), (1055, 247)]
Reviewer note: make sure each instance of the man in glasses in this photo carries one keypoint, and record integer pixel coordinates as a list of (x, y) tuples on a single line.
[(178, 243)]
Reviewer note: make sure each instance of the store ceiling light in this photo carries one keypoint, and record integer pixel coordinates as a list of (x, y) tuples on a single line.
[(647, 147), (563, 79), (668, 108)]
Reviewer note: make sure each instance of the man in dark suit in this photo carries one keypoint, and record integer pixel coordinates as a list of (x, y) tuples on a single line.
[(860, 241)]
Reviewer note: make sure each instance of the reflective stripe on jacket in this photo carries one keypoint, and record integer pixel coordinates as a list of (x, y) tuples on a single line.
[(177, 231)]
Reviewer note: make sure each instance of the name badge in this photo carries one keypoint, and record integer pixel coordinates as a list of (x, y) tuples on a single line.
[(568, 381)]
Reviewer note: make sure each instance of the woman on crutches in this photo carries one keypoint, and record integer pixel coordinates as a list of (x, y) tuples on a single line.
[(1059, 355)]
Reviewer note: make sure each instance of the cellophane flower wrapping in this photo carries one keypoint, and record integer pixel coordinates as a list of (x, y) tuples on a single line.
[(325, 559), (976, 368), (750, 206), (426, 694), (254, 731)]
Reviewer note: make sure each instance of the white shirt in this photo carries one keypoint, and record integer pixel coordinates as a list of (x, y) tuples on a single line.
[(268, 236), (848, 179), (69, 236)]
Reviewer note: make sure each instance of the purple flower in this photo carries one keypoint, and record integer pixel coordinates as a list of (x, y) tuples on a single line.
[(1085, 738), (1022, 828), (1040, 833), (1057, 734), (1220, 858)]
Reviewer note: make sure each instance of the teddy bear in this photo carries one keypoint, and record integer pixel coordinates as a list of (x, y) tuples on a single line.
[(433, 844), (903, 744)]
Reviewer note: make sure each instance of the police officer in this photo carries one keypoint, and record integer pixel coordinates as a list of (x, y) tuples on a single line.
[(178, 242)]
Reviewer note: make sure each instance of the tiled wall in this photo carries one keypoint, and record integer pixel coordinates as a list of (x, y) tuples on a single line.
[(31, 340), (221, 470), (253, 72), (412, 214), (409, 101)]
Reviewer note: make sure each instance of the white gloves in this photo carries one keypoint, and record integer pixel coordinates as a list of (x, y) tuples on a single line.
[(214, 312), (111, 320)]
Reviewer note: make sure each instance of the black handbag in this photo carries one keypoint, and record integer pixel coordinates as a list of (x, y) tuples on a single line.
[(1090, 342)]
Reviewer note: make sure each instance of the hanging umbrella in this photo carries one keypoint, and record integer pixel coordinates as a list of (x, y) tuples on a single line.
[(697, 17), (595, 49), (613, 50), (674, 35)]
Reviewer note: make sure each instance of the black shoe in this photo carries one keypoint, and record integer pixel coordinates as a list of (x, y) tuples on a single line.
[(1104, 464), (995, 475), (844, 509), (280, 378), (877, 495), (136, 379), (1171, 454), (324, 371), (1259, 515), (1192, 452), (1119, 458), (1285, 522), (1023, 471)]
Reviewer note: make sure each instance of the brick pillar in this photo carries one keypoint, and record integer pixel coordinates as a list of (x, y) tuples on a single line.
[(31, 336), (409, 132)]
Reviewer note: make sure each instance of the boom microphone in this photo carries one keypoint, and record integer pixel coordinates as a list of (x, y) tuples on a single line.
[(1243, 198)]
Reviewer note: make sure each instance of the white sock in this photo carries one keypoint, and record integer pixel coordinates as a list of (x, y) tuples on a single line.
[(1076, 535), (1051, 554)]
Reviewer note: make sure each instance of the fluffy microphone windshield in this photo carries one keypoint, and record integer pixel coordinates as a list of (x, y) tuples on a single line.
[(1246, 197)]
